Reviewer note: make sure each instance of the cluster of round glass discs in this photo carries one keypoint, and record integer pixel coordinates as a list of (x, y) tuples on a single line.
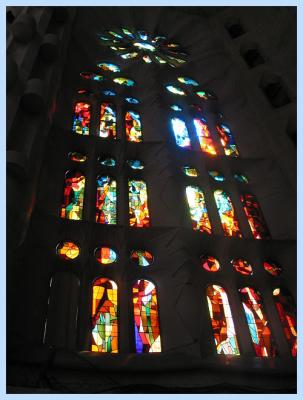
[(131, 44)]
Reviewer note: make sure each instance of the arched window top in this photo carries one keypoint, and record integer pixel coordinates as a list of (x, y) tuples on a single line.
[(105, 316), (242, 266), (221, 319), (197, 209), (210, 263), (226, 211), (258, 323), (254, 216), (147, 329), (81, 119), (72, 207)]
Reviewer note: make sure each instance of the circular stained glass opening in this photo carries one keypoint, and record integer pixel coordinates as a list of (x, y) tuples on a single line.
[(210, 263), (272, 268), (142, 257), (242, 266), (67, 250), (105, 255)]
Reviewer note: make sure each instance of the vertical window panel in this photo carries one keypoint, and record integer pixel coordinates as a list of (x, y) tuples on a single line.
[(204, 136), (106, 203), (81, 120), (197, 209), (138, 207), (72, 206), (227, 140), (258, 323), (181, 133), (286, 309), (105, 316), (147, 329), (255, 216), (133, 127), (108, 121), (226, 212), (222, 322)]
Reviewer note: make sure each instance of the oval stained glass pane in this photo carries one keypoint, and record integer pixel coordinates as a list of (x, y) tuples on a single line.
[(210, 263), (124, 81), (108, 93), (190, 171), (206, 95), (109, 67), (272, 268), (217, 176), (135, 164), (105, 255), (175, 90), (132, 100), (142, 257), (77, 157), (241, 178), (187, 81), (175, 107), (67, 250), (242, 266), (107, 162), (92, 76)]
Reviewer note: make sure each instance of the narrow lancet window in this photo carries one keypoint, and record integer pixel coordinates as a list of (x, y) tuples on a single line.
[(255, 216), (227, 140), (181, 133), (106, 203), (222, 321), (147, 329), (138, 207), (133, 127), (257, 323), (72, 206), (204, 136), (197, 209), (81, 120), (226, 212), (105, 316), (107, 127), (287, 313)]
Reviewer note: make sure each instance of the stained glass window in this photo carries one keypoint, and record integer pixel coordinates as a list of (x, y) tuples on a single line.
[(107, 127), (181, 133), (255, 217), (106, 204), (142, 257), (68, 250), (105, 316), (109, 67), (132, 100), (72, 207), (107, 161), (204, 136), (124, 81), (175, 107), (108, 93), (188, 81), (135, 164), (206, 95), (210, 263), (197, 209), (241, 178), (222, 321), (133, 127), (92, 76), (190, 171), (258, 323), (105, 255), (272, 268), (227, 140), (226, 212), (217, 176), (138, 207), (175, 90), (81, 120), (77, 157), (242, 266), (147, 329), (287, 313)]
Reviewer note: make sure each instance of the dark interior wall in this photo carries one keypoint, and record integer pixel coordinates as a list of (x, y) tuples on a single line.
[(180, 281)]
